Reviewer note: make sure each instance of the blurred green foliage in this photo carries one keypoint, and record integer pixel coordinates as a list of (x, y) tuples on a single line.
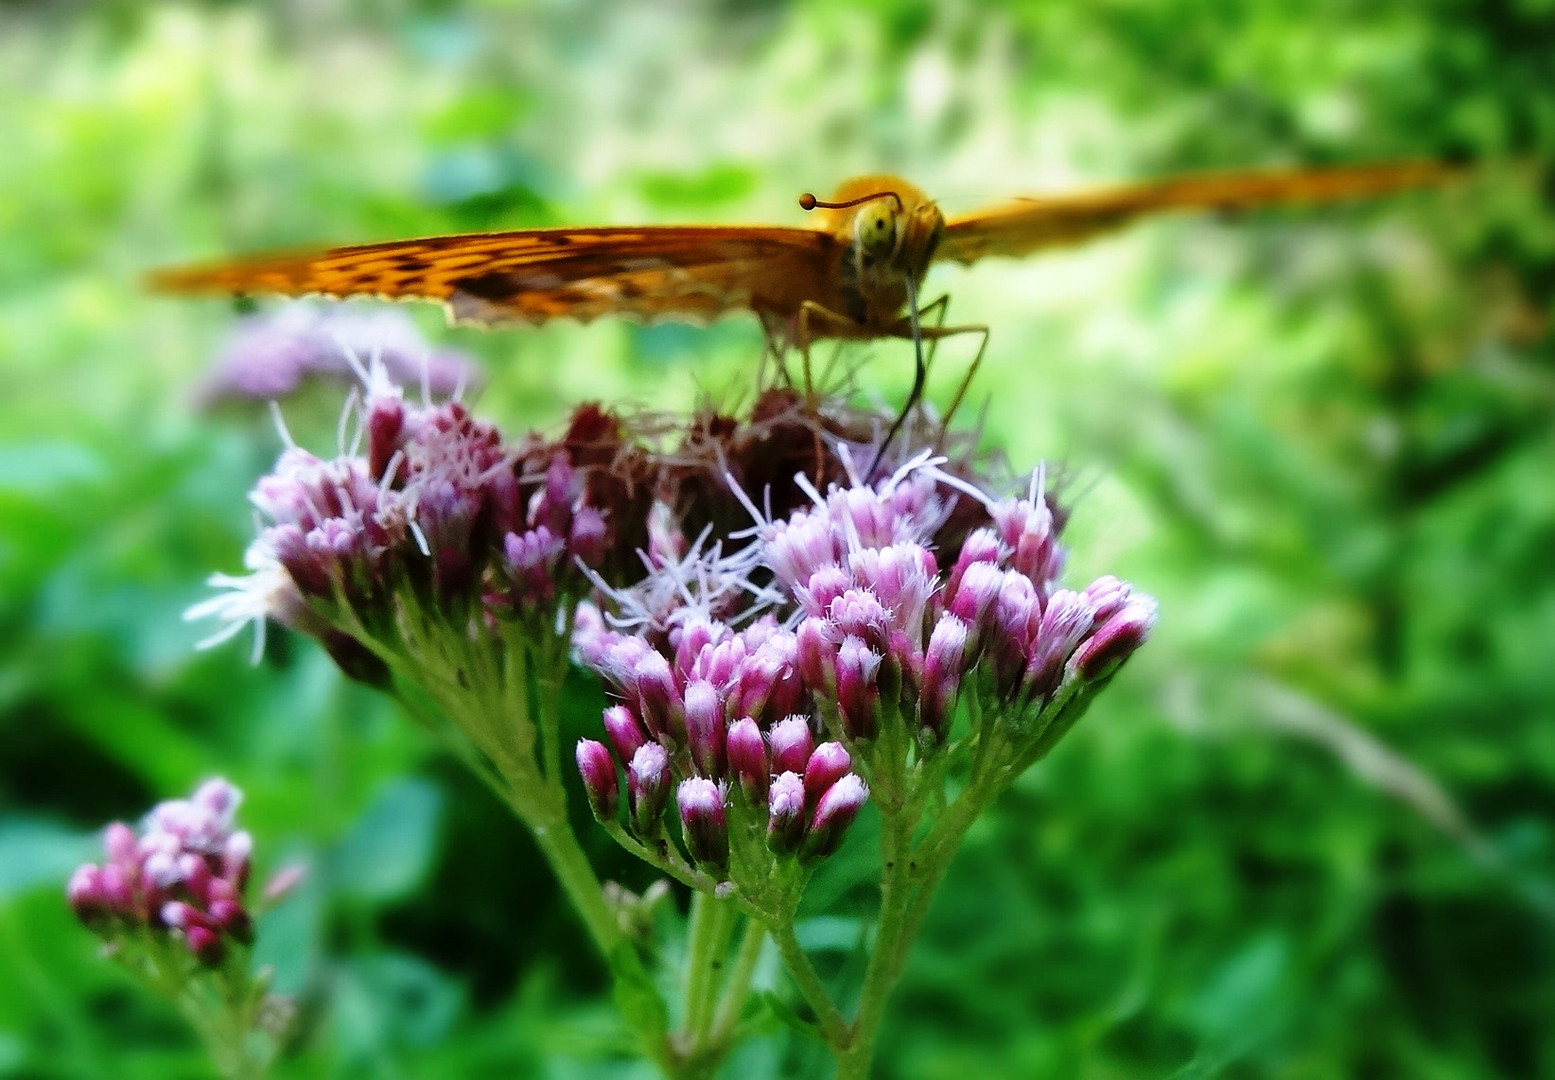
[(1307, 834)]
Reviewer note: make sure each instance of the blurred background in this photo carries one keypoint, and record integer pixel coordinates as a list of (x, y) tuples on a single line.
[(1308, 833)]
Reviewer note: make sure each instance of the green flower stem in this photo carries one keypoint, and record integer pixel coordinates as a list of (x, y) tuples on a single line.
[(737, 986), (703, 941), (833, 1028)]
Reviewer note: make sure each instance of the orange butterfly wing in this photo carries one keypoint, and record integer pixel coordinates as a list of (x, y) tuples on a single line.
[(686, 273), (1027, 225)]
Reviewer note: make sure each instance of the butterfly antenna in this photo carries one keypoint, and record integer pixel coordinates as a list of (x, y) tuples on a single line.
[(920, 373), (807, 201)]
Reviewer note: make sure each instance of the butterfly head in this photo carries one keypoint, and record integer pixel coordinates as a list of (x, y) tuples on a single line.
[(891, 229)]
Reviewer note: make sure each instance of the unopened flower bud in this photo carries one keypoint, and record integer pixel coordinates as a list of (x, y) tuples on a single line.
[(648, 787), (625, 733), (702, 821), (283, 882), (232, 919), (823, 588), (1068, 618), (85, 893), (206, 945), (1108, 595), (791, 744), (786, 813), (974, 597), (600, 782), (237, 858), (757, 678), (748, 759), (705, 727), (816, 655), (943, 665), (1116, 640), (829, 763), (658, 703), (835, 812), (858, 696), (119, 843), (859, 613), (980, 546)]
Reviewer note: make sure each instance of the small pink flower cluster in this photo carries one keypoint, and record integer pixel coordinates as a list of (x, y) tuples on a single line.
[(874, 633), (886, 636), (434, 507), (725, 715), (433, 479), (185, 875)]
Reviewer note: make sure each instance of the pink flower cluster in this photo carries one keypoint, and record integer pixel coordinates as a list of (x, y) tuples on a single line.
[(865, 627), (885, 635), (432, 505), (185, 875), (725, 718)]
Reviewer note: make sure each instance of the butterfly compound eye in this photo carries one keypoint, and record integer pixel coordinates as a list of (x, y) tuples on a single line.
[(875, 226)]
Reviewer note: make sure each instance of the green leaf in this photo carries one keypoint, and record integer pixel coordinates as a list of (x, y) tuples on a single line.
[(388, 852)]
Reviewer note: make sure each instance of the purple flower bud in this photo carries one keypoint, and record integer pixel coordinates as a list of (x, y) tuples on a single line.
[(864, 515), (1108, 595), (195, 875), (800, 546), (232, 918), (283, 882), (788, 694), (620, 660), (625, 733), (980, 546), (756, 679), (85, 893), (385, 423), (1066, 621), (823, 588), (237, 858), (943, 665), (600, 782), (658, 703), (590, 536), (791, 744), (974, 597), (858, 695), (180, 916), (1015, 616), (648, 787), (118, 892), (786, 813), (219, 799), (119, 843), (206, 945), (903, 577), (1029, 531), (702, 821), (691, 638), (835, 812), (1116, 640), (721, 664), (748, 759), (829, 763), (859, 613), (704, 715), (816, 655)]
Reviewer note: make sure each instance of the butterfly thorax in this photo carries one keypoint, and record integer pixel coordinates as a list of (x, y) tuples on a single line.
[(890, 241)]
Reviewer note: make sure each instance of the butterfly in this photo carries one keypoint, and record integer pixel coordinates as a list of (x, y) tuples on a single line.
[(854, 273)]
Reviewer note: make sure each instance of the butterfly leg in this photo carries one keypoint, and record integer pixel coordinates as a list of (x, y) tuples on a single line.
[(971, 371), (816, 322)]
